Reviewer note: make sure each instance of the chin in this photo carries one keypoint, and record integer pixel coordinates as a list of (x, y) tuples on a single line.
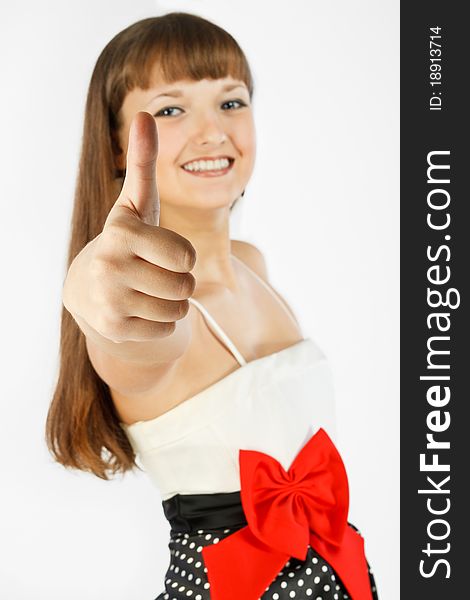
[(210, 200), (206, 203)]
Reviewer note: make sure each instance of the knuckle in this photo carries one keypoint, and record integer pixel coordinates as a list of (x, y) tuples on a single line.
[(117, 234), (103, 295), (114, 231), (99, 267), (109, 325)]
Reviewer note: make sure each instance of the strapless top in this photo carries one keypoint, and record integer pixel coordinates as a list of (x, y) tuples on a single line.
[(272, 404)]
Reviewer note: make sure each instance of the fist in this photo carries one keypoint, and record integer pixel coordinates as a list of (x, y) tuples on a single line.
[(132, 282)]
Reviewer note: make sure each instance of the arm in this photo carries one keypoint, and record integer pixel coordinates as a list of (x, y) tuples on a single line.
[(133, 369)]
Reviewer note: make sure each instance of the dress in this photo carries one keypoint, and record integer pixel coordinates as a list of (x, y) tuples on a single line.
[(268, 409)]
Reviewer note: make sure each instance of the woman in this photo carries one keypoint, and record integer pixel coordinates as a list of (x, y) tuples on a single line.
[(176, 351)]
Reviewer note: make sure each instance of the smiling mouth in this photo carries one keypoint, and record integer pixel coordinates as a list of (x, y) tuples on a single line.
[(209, 168)]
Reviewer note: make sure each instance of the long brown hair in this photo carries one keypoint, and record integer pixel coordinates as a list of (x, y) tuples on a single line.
[(82, 427)]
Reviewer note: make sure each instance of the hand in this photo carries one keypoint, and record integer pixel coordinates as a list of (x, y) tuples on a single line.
[(132, 282)]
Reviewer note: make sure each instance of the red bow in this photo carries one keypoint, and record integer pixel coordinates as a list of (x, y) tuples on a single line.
[(285, 512)]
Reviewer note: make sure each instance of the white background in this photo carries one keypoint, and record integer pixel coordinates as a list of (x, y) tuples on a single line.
[(323, 206)]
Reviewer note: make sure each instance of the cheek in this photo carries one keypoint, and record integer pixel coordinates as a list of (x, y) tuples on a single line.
[(248, 151), (169, 145), (246, 137)]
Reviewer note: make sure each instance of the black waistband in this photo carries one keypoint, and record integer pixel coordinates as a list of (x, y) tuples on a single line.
[(187, 513)]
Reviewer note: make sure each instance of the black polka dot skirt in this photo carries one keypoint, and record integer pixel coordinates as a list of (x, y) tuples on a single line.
[(190, 517)]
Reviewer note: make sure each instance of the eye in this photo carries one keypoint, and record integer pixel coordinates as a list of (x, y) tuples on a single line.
[(161, 112), (240, 102)]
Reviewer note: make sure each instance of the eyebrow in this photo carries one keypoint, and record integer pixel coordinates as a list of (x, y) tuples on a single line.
[(179, 93)]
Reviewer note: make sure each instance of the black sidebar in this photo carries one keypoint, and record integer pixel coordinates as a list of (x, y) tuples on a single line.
[(435, 315)]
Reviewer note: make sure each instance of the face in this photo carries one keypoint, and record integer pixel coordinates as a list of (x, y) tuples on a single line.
[(197, 122)]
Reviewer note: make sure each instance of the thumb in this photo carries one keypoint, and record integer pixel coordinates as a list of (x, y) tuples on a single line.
[(140, 183)]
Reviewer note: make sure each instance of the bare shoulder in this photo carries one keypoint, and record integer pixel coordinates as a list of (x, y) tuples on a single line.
[(251, 256), (254, 259)]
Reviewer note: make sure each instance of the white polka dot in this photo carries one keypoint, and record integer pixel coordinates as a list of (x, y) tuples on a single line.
[(208, 536), (200, 530), (275, 596), (316, 579), (174, 584), (333, 578), (183, 573), (324, 568), (190, 560), (190, 576), (215, 540), (182, 588), (184, 542), (207, 585), (205, 569), (308, 571), (283, 585), (326, 587), (199, 548), (198, 581), (291, 574), (314, 560), (308, 591), (318, 598), (198, 564), (189, 593), (292, 594), (226, 530), (300, 582), (192, 544), (335, 597), (198, 597), (288, 563), (183, 556)]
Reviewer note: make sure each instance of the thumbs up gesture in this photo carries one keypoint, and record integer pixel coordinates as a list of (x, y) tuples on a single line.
[(139, 192), (132, 282)]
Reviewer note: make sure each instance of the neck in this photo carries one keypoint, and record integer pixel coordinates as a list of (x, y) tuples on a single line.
[(208, 230)]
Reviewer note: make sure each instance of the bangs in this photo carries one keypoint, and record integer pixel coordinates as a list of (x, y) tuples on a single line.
[(179, 46)]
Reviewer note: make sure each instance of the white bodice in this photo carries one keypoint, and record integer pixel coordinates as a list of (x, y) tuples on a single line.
[(272, 404)]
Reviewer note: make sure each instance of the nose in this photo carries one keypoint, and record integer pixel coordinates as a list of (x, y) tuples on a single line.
[(209, 130)]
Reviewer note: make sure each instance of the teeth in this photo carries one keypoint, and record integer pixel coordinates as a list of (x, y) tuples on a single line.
[(207, 165)]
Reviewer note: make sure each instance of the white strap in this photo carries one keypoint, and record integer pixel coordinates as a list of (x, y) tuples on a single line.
[(219, 331)]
